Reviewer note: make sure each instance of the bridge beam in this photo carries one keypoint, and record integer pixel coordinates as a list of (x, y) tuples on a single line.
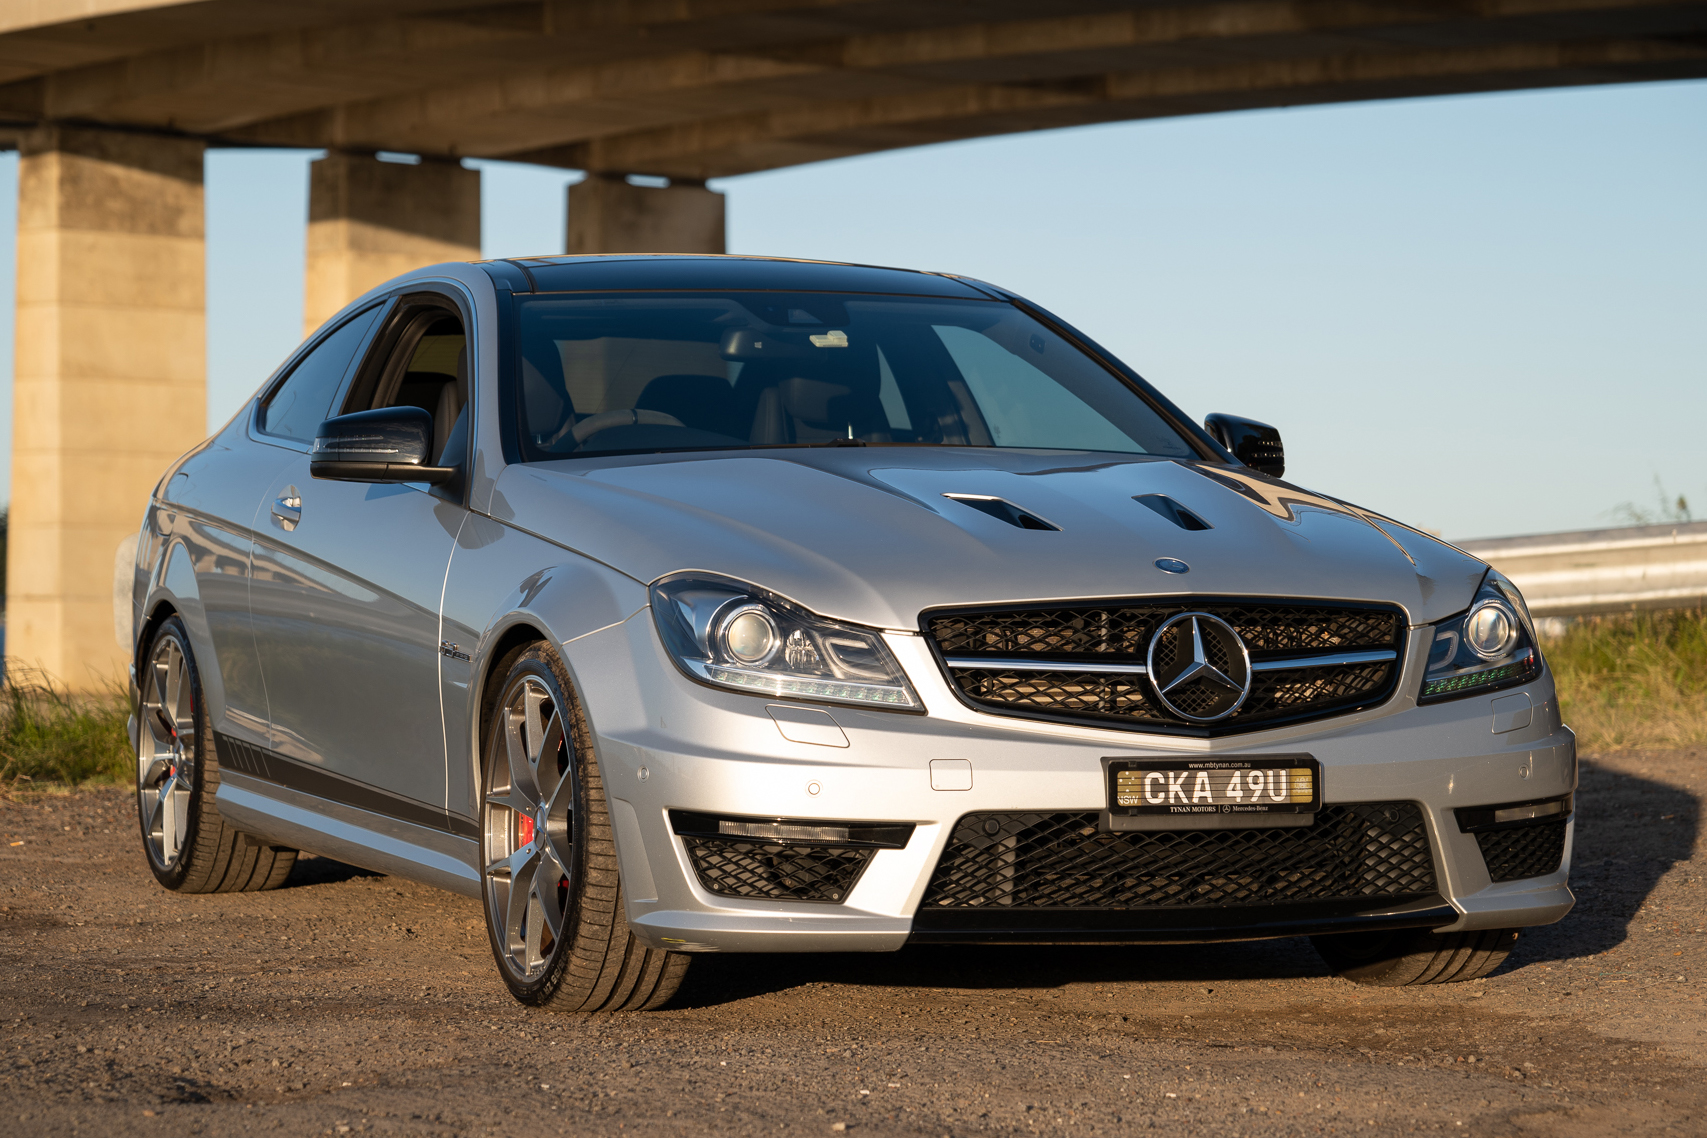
[(110, 378), (608, 215), (369, 221)]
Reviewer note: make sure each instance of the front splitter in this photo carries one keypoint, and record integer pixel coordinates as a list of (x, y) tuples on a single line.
[(1181, 925)]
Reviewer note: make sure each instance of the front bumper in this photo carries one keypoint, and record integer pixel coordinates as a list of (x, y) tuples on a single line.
[(666, 743)]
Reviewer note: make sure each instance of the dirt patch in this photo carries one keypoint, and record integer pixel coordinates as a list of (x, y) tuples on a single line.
[(351, 1002)]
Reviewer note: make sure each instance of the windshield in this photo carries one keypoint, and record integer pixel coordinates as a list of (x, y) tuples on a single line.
[(630, 373)]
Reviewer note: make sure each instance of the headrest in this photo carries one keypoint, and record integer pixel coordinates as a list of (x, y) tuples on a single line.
[(811, 400), (675, 388)]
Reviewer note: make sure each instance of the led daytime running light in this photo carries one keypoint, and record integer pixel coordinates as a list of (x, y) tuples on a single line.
[(1470, 681), (809, 689)]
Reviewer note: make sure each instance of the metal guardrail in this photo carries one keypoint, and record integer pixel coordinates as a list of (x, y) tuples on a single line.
[(1606, 570)]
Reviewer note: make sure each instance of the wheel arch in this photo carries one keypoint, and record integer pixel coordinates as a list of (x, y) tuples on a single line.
[(173, 591), (518, 634)]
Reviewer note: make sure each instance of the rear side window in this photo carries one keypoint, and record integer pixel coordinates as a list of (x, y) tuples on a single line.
[(304, 401)]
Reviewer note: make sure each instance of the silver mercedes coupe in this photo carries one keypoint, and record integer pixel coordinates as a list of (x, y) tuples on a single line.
[(728, 604)]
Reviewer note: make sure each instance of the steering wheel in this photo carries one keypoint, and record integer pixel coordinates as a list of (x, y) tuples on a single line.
[(605, 420)]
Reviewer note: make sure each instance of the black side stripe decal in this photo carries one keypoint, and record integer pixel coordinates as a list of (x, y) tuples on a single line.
[(270, 766)]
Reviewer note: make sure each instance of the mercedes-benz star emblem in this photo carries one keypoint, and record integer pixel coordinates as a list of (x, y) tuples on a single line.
[(1200, 668)]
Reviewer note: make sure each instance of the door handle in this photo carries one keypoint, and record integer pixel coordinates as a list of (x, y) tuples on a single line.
[(287, 508)]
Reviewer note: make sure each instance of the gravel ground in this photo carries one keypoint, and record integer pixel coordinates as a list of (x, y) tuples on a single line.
[(350, 1002)]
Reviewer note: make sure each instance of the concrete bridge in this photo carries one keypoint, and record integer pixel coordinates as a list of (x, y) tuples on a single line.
[(113, 102)]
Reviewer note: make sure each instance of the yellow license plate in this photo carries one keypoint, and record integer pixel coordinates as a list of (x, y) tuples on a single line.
[(1266, 784)]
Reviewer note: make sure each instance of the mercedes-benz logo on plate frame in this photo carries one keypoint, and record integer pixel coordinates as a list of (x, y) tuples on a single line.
[(1199, 667)]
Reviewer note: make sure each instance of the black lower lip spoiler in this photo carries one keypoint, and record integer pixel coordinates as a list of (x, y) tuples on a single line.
[(1184, 925)]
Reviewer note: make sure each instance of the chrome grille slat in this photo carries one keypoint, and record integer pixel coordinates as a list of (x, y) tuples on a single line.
[(1086, 662)]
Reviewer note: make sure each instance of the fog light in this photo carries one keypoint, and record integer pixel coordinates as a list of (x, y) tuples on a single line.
[(1525, 813), (1514, 815), (792, 831), (781, 832)]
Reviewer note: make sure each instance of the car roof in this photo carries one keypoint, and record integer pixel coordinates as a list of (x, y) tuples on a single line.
[(669, 272)]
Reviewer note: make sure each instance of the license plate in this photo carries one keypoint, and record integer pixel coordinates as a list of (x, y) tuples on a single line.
[(1252, 787)]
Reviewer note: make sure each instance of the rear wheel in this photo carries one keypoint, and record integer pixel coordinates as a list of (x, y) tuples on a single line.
[(190, 848), (551, 888), (1399, 957)]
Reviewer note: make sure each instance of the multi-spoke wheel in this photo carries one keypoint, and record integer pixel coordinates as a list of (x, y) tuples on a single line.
[(558, 931), (190, 847), (166, 758)]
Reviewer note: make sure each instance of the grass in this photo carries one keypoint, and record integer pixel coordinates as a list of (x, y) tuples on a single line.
[(50, 736), (1634, 680)]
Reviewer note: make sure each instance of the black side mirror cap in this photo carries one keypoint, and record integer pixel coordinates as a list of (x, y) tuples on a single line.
[(386, 444), (1255, 444)]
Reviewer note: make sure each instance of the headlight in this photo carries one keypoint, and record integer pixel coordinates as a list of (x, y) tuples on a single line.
[(734, 635), (1490, 645)]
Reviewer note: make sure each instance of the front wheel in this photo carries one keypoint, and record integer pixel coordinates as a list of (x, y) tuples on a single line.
[(1400, 957), (552, 894), (190, 848)]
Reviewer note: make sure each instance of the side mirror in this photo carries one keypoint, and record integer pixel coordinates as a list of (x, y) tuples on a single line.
[(387, 444), (1255, 444)]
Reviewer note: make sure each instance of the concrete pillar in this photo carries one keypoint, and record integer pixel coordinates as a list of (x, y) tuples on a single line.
[(369, 220), (607, 215), (110, 382)]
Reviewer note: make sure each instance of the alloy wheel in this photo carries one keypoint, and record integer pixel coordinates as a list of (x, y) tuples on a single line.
[(166, 752), (529, 828)]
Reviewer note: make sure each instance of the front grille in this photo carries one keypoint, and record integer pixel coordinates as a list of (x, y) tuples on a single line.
[(1375, 852), (773, 871), (1057, 645), (1528, 851)]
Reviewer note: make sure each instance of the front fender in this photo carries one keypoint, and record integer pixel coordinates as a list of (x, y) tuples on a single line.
[(506, 587)]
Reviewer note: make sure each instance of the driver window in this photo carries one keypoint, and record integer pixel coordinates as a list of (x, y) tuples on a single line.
[(425, 366), (303, 401)]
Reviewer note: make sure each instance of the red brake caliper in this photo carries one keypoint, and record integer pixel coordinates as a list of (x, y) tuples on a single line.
[(172, 729), (524, 829)]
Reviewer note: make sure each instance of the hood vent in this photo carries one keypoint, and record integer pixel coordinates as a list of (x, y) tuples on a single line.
[(1002, 510), (1172, 510)]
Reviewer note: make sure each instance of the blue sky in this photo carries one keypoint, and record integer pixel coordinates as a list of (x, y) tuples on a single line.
[(1484, 315)]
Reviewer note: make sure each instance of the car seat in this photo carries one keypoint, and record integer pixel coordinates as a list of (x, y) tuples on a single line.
[(813, 402), (704, 402)]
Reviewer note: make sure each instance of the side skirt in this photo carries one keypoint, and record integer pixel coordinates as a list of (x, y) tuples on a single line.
[(346, 833)]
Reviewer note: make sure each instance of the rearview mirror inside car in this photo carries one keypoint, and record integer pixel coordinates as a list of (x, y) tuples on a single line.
[(387, 444), (1255, 444)]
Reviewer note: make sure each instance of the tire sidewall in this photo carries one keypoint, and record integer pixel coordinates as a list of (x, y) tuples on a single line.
[(537, 662), (173, 876)]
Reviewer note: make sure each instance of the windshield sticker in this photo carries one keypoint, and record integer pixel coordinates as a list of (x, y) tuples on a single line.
[(836, 339)]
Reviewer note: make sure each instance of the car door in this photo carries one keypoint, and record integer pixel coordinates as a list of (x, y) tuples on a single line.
[(347, 583), (209, 508)]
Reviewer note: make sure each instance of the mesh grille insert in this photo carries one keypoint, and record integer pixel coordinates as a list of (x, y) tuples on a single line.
[(774, 871), (1120, 634), (1528, 851), (1363, 851)]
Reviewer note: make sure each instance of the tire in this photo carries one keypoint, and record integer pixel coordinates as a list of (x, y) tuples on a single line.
[(189, 847), (550, 882), (1415, 956)]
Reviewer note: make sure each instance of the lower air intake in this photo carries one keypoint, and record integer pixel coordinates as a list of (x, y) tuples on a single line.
[(773, 871), (1373, 852), (1528, 851)]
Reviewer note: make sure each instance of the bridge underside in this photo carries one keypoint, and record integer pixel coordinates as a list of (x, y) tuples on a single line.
[(706, 88), (112, 103)]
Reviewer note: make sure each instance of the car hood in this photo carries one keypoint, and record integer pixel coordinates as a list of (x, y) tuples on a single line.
[(867, 534)]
